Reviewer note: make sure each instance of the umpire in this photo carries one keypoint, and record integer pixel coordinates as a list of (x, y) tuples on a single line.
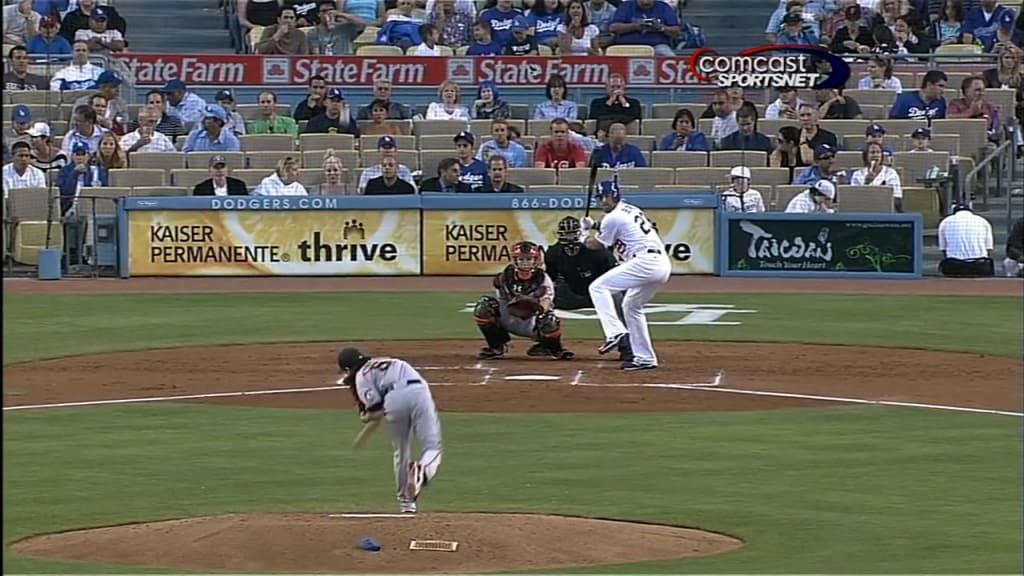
[(572, 267)]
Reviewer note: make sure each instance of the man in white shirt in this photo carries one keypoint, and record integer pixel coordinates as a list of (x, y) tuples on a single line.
[(816, 199), (785, 106), (741, 197), (146, 138), (20, 173), (388, 147), (80, 74), (966, 243)]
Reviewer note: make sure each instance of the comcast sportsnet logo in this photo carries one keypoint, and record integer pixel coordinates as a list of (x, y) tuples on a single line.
[(774, 66)]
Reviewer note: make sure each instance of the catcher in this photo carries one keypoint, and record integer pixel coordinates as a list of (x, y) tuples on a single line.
[(521, 306), (391, 389)]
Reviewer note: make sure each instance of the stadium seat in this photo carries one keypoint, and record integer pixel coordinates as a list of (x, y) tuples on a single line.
[(266, 160), (379, 50), (311, 178), (266, 142), (872, 97), (410, 158), (129, 177), (924, 201), (782, 196), (915, 165), (875, 111), (100, 200), (973, 134), (532, 176), (157, 160), (581, 176), (685, 189), (646, 177), (314, 159), (429, 159), (254, 112), (761, 177), (251, 177), (327, 141), (369, 143), (552, 189), (676, 159), (864, 199), (630, 50), (161, 191), (34, 97), (234, 160), (188, 178), (701, 176), (730, 158), (447, 128)]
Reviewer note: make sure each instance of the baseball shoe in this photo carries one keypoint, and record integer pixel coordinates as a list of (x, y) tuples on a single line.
[(633, 366), (539, 350), (611, 343), (625, 350), (488, 353), (562, 354), (414, 481), (406, 507)]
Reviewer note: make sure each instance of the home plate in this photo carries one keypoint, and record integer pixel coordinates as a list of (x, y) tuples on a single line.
[(370, 515), (532, 377)]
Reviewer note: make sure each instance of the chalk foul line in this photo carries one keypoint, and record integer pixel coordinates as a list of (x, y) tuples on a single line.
[(698, 386)]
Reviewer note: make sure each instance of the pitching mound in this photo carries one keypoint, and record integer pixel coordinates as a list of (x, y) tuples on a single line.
[(328, 543)]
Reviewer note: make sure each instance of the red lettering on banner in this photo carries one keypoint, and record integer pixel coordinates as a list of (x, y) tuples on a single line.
[(676, 72)]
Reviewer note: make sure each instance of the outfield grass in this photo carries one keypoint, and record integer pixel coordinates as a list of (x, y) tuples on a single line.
[(837, 490)]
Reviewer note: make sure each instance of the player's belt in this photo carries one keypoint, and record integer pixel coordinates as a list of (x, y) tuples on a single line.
[(413, 382)]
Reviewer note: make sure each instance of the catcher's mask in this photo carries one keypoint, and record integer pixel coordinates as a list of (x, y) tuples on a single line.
[(569, 230), (525, 258), (350, 360)]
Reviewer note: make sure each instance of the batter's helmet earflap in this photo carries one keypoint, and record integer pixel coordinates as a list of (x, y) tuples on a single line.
[(351, 360), (569, 230)]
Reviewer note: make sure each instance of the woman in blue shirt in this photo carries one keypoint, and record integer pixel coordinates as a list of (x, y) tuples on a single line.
[(545, 18), (556, 106), (684, 137)]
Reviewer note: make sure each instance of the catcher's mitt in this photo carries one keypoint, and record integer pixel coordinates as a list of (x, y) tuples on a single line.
[(525, 307)]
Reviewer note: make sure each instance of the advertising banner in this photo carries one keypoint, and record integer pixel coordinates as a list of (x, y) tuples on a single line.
[(274, 243), (477, 242), (815, 245)]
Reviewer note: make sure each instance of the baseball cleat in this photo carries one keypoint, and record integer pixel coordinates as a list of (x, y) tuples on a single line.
[(562, 354), (611, 343), (538, 350), (633, 366), (407, 507), (488, 353), (414, 482)]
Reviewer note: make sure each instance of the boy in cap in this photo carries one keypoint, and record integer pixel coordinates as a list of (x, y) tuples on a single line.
[(922, 139), (483, 43), (21, 121), (98, 36), (741, 197), (235, 123), (472, 170), (522, 43), (212, 136), (875, 134), (819, 197)]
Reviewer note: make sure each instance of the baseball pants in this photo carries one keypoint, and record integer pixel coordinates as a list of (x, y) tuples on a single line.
[(639, 278), (410, 412)]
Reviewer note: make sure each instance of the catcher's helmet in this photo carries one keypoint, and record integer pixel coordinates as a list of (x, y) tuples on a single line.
[(569, 230), (350, 360), (525, 256)]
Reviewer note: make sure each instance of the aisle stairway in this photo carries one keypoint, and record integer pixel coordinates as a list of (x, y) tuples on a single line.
[(178, 26)]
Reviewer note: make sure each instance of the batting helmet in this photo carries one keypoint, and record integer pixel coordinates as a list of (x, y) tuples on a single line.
[(350, 360), (525, 256), (569, 230), (609, 188)]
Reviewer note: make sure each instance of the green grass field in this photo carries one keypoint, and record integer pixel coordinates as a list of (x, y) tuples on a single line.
[(842, 490)]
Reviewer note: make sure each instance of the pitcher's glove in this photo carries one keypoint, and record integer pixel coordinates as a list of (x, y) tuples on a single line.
[(525, 307)]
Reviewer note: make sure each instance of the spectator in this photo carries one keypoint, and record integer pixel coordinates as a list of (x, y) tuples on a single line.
[(334, 176), (824, 158), (21, 22), (497, 177), (785, 105), (80, 74), (875, 134), (430, 36), (502, 145), (48, 42), (187, 106), (86, 130), (220, 183), (472, 170), (307, 13), (270, 122), (965, 240), (559, 151), (724, 122), (114, 113), (880, 76), (876, 173), (170, 126), (522, 43), (147, 137), (455, 26), (283, 181), (483, 42), (18, 77), (734, 98), (981, 23), (601, 13), (252, 13), (1006, 35), (336, 119), (838, 20), (545, 18), (812, 134), (907, 42), (45, 155), (617, 153), (818, 198), (79, 19), (577, 36), (99, 105), (211, 136), (448, 108), (382, 91), (834, 105), (80, 173), (499, 20), (235, 123), (20, 173), (615, 107), (110, 156), (974, 105), (787, 151), (387, 147), (313, 104), (793, 32), (488, 104), (283, 37), (21, 123), (388, 183), (741, 197), (799, 8), (448, 179), (556, 105), (334, 34), (924, 104), (379, 124), (367, 11), (577, 132), (922, 140), (1009, 73), (649, 23), (747, 137), (405, 11), (101, 39), (854, 36), (947, 27), (1013, 265), (684, 136)]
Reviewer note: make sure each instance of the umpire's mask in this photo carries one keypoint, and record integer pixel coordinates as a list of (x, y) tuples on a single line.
[(569, 234)]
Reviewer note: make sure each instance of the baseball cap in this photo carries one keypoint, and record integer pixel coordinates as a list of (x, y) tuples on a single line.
[(465, 135), (109, 77), (386, 142), (174, 86), (874, 129), (520, 24), (740, 172), (21, 114), (793, 19), (335, 94), (218, 159), (80, 148), (825, 188), (224, 95), (49, 21), (216, 111), (39, 129), (824, 151), (1006, 19), (921, 133), (99, 14)]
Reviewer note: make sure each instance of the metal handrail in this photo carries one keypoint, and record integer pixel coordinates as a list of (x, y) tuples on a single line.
[(995, 156)]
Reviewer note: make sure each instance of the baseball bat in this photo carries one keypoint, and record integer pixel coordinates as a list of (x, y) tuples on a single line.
[(592, 182), (365, 433)]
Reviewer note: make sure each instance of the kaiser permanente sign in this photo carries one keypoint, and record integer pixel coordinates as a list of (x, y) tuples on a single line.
[(506, 71)]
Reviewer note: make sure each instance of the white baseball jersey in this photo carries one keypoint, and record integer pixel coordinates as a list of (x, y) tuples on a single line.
[(378, 377), (628, 232)]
